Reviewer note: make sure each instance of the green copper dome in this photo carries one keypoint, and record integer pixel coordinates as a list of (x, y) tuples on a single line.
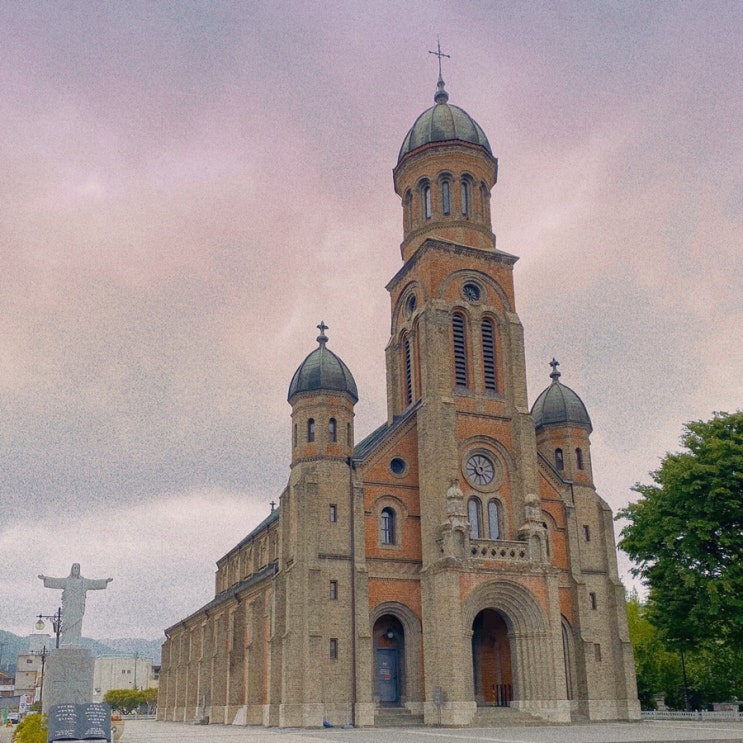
[(443, 123), (558, 405), (322, 370)]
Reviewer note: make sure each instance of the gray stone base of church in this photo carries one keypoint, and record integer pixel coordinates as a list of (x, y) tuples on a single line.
[(68, 677)]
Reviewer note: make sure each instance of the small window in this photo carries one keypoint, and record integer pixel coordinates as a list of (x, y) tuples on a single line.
[(579, 458), (559, 461), (397, 466), (349, 439), (408, 373), (494, 519), (445, 198), (294, 436), (488, 354), (387, 526), (333, 513), (587, 532), (333, 648), (427, 201), (474, 514), (332, 431), (465, 198), (310, 430), (333, 590), (597, 652), (460, 350), (592, 597)]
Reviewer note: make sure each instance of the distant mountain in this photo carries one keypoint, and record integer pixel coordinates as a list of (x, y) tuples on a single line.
[(143, 648), (11, 645)]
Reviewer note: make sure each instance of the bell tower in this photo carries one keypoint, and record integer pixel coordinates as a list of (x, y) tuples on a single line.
[(455, 360)]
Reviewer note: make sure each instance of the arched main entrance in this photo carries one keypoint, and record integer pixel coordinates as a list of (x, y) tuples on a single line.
[(491, 660), (389, 660)]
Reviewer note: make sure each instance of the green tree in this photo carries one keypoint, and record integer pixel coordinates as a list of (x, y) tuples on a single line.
[(122, 700), (685, 535), (658, 670)]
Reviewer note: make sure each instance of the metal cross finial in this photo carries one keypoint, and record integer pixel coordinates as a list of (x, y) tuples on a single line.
[(322, 338), (554, 364), (273, 505), (438, 53)]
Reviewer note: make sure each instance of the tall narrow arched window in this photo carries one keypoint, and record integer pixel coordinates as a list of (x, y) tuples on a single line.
[(349, 439), (310, 430), (559, 461), (460, 350), (427, 201), (332, 431), (494, 519), (387, 526), (446, 198), (474, 515), (408, 209), (465, 198), (579, 458), (294, 437), (488, 354), (408, 372)]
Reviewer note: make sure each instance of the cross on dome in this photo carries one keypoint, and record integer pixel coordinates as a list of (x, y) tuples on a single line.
[(555, 374), (441, 96), (322, 338)]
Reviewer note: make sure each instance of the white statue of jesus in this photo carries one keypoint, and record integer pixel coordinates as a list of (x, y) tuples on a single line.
[(74, 587)]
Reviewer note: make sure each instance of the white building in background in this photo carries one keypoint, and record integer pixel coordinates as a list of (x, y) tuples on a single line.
[(121, 672)]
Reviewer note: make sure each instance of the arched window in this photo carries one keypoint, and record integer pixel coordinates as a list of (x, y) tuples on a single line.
[(332, 431), (460, 350), (559, 461), (294, 436), (445, 198), (427, 201), (408, 209), (387, 526), (488, 354), (408, 372), (579, 458), (474, 514), (494, 519), (349, 440), (310, 430), (465, 198)]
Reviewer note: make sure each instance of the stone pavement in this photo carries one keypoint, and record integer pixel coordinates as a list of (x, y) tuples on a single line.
[(150, 731)]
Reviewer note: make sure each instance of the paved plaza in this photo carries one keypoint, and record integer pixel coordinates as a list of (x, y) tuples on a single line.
[(149, 731)]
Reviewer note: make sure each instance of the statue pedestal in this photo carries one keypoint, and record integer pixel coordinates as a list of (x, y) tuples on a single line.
[(68, 677)]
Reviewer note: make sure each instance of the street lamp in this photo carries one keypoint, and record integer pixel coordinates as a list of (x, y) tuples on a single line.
[(55, 619)]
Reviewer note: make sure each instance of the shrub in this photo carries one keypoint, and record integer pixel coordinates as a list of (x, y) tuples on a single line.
[(31, 729)]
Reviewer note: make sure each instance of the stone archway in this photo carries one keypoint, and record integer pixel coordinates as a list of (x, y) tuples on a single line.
[(396, 638), (505, 610)]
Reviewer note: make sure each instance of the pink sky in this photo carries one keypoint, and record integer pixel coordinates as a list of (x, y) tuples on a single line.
[(188, 188)]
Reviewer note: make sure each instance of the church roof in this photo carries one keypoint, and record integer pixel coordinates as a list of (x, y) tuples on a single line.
[(558, 405), (323, 370), (443, 122)]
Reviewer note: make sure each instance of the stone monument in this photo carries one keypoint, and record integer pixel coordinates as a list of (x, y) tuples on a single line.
[(69, 669)]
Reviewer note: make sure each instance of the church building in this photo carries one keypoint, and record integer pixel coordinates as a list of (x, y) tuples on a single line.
[(457, 565)]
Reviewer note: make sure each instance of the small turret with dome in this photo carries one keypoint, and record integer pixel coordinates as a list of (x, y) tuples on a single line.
[(322, 394), (563, 427), (444, 173), (322, 370)]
